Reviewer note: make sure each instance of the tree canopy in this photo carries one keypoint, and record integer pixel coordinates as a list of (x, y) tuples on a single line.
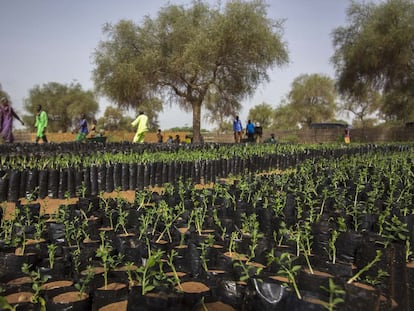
[(63, 104), (284, 118), (363, 107), (374, 53), (187, 53), (263, 114), (312, 99), (114, 119)]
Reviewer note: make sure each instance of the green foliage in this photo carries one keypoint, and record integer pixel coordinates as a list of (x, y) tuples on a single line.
[(190, 56), (37, 282), (284, 118), (51, 249), (366, 268), (104, 252), (363, 106), (85, 280), (286, 268), (291, 138), (395, 230), (181, 129), (263, 114), (218, 111), (62, 103), (247, 270), (374, 53), (378, 279), (170, 262), (150, 273), (225, 127), (4, 305), (114, 119), (336, 294), (312, 99)]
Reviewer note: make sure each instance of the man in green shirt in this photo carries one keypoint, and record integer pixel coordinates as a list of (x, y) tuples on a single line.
[(41, 124)]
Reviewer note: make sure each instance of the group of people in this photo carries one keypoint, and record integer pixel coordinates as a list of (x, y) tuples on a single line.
[(84, 131), (7, 114), (253, 131), (171, 140)]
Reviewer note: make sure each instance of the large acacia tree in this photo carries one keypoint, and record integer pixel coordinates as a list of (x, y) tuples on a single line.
[(186, 53), (312, 99), (375, 53)]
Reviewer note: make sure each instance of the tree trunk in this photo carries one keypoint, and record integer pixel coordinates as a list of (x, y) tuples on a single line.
[(196, 121)]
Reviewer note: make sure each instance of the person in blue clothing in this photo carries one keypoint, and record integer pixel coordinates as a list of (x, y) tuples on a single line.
[(237, 129), (83, 128), (250, 131)]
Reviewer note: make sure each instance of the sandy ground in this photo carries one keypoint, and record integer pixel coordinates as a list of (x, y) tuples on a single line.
[(50, 206)]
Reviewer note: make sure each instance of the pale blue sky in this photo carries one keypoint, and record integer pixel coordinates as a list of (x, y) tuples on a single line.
[(46, 41)]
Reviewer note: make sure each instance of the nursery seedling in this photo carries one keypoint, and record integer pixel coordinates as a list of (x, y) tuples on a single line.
[(51, 249), (4, 305), (395, 230), (204, 246), (335, 295), (377, 279), (170, 263), (286, 269), (81, 287), (332, 247), (366, 268), (199, 218), (104, 252), (129, 269), (122, 220), (37, 282), (233, 245), (248, 270), (147, 276), (217, 221)]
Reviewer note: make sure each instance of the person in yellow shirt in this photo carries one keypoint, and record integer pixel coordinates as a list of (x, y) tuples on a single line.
[(141, 123)]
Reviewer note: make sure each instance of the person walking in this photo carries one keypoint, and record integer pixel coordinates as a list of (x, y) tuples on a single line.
[(237, 129), (258, 132), (159, 136), (83, 129), (7, 114), (250, 131), (41, 124), (141, 123)]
